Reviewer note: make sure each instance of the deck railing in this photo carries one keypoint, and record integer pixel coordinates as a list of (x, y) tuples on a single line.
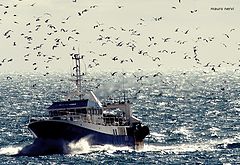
[(94, 119)]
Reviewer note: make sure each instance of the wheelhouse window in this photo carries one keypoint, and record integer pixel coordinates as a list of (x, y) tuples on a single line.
[(81, 111)]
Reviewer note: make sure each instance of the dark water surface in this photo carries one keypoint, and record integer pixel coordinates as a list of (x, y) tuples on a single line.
[(193, 118)]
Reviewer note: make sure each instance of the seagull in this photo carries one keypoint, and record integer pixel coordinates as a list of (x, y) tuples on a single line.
[(157, 74), (85, 10), (205, 40), (33, 4), (104, 54), (150, 38), (54, 46), (113, 73), (186, 57), (186, 32), (115, 58), (157, 18), (164, 51), (112, 28), (94, 60), (48, 14), (140, 78), (93, 6), (70, 37), (213, 69), (90, 66), (224, 45), (206, 65), (226, 35), (6, 33), (9, 78), (157, 58), (166, 39), (3, 60), (63, 44), (193, 11), (119, 7), (123, 29), (122, 61)]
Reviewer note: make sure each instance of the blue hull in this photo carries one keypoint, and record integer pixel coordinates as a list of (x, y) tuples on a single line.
[(48, 129)]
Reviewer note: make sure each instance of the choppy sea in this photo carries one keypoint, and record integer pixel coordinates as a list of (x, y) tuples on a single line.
[(193, 117)]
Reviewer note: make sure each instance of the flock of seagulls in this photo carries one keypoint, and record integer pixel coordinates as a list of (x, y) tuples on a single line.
[(60, 35), (37, 48)]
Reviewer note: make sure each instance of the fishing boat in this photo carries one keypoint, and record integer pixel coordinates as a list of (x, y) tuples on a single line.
[(86, 117)]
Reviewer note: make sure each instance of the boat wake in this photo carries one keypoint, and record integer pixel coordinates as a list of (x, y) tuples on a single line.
[(10, 150), (49, 147), (42, 147), (181, 148), (83, 147), (45, 147)]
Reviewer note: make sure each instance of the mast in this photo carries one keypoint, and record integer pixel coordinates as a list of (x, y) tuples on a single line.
[(77, 74), (124, 94)]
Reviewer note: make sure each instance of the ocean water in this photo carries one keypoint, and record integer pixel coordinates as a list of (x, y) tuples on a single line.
[(193, 117)]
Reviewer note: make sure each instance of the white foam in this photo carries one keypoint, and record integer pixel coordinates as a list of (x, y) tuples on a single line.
[(111, 149), (80, 147), (184, 131), (189, 147), (179, 148), (214, 129), (10, 150), (155, 134)]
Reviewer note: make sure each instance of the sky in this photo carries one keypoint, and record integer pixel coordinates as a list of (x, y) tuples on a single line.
[(113, 35)]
